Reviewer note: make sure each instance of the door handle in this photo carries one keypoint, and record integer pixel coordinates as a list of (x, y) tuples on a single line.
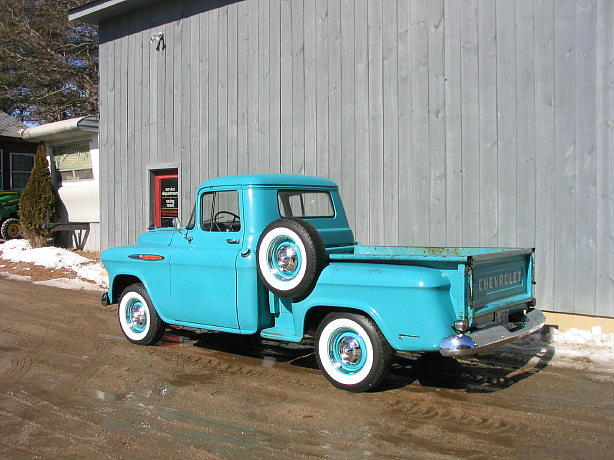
[(233, 241)]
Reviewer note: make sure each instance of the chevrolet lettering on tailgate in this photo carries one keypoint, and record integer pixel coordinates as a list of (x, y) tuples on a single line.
[(494, 282)]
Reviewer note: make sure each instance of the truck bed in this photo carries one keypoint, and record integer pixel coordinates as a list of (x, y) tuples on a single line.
[(400, 254), (496, 277)]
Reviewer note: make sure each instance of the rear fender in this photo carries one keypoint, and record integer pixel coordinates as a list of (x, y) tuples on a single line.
[(410, 305)]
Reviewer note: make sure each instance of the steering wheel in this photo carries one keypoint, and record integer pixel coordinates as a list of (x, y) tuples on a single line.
[(219, 225)]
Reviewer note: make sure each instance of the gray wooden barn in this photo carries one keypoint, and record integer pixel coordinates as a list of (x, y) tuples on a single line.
[(445, 122)]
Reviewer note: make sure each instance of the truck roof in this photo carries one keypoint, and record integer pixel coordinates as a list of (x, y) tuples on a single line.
[(293, 180)]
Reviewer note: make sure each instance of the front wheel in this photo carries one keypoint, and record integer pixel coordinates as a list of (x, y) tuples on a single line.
[(352, 352), (138, 318)]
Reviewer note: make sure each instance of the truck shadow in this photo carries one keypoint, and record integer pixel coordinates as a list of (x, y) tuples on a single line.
[(476, 374), (480, 374), (256, 350)]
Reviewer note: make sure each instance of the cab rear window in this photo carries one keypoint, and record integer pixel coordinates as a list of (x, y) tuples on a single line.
[(307, 204)]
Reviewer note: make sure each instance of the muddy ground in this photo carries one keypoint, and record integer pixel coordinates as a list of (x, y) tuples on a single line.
[(71, 385)]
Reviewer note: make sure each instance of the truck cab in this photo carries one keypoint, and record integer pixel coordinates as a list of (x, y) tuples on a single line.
[(274, 255)]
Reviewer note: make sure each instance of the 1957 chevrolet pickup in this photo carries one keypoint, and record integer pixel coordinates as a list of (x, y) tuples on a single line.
[(274, 255)]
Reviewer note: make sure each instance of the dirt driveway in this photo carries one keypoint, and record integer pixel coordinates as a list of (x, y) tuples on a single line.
[(72, 386)]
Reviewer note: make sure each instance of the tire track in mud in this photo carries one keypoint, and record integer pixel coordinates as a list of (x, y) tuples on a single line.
[(422, 410), (417, 413), (35, 411), (445, 428), (17, 360), (15, 367), (87, 371), (94, 358), (197, 361)]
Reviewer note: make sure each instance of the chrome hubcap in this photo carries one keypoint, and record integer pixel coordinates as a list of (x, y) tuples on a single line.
[(349, 350), (286, 258), (138, 315)]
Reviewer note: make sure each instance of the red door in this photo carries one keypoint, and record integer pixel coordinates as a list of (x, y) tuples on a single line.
[(166, 198)]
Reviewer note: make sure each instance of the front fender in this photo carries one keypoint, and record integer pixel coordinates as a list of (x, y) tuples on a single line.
[(153, 274)]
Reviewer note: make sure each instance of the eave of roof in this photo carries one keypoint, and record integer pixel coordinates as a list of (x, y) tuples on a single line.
[(96, 11), (61, 130), (9, 126)]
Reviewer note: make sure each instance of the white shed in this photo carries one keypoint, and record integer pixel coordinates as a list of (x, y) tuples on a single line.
[(72, 152)]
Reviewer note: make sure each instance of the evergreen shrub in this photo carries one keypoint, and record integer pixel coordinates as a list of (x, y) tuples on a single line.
[(37, 204)]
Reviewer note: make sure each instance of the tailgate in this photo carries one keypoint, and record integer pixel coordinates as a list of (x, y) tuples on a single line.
[(500, 280)]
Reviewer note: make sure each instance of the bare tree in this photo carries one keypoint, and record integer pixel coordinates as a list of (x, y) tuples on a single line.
[(48, 65)]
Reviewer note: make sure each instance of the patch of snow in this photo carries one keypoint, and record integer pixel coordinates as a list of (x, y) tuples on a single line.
[(55, 258), (93, 272), (11, 276), (69, 283), (594, 345), (49, 257), (575, 348)]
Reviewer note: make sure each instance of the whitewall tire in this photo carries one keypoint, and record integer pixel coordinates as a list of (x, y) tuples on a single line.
[(352, 352), (290, 256), (138, 319)]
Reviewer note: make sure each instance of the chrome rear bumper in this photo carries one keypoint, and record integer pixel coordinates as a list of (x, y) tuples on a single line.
[(476, 342)]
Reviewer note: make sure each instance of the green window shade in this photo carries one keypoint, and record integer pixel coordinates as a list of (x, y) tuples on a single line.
[(73, 162), (70, 157)]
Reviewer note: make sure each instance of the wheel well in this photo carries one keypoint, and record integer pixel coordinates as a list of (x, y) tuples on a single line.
[(120, 283), (315, 316)]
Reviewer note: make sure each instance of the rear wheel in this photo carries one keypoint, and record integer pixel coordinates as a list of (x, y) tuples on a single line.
[(138, 318), (352, 352), (10, 229)]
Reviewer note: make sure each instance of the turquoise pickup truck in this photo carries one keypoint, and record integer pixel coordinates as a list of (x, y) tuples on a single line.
[(274, 255)]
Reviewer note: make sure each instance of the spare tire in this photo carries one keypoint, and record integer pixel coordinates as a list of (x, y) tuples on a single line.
[(291, 256)]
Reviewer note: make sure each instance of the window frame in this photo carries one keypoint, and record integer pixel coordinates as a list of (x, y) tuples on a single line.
[(202, 213), (306, 190), (58, 173), (11, 170)]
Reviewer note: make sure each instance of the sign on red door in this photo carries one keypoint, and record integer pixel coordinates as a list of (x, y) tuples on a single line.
[(166, 194)]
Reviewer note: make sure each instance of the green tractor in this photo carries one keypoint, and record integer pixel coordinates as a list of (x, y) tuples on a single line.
[(9, 215)]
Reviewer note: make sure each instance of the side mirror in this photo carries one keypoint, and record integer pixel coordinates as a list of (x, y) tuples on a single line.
[(177, 225)]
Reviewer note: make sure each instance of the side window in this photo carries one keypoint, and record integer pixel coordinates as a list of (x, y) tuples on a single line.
[(220, 212), (305, 203), (21, 166), (73, 162)]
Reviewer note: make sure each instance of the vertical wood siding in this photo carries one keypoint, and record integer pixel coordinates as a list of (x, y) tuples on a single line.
[(460, 123)]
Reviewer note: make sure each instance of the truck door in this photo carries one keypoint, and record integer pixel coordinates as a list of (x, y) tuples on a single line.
[(203, 272)]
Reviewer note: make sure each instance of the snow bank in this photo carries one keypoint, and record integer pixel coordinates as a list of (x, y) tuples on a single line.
[(54, 258), (590, 350), (594, 345), (75, 284)]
